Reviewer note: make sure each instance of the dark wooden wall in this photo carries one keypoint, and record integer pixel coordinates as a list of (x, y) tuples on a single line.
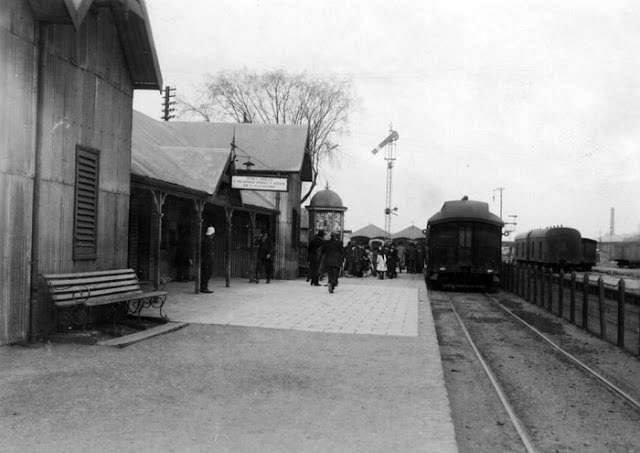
[(18, 73), (87, 100)]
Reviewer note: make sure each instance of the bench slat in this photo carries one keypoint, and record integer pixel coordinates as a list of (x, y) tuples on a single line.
[(90, 287), (88, 280), (100, 292), (88, 274), (110, 299), (113, 299)]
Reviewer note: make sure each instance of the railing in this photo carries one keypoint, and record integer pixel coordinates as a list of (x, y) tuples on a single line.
[(608, 311)]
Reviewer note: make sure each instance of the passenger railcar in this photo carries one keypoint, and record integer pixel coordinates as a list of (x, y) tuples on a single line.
[(589, 254), (463, 246), (557, 247)]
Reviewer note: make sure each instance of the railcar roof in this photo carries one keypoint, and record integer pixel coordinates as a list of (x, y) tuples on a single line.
[(544, 232), (465, 210)]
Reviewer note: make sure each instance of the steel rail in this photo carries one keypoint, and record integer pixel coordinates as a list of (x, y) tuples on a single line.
[(524, 436), (610, 385)]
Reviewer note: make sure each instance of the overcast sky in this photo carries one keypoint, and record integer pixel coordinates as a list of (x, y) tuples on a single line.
[(540, 97)]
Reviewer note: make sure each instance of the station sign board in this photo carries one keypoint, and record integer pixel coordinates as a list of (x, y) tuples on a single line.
[(271, 183)]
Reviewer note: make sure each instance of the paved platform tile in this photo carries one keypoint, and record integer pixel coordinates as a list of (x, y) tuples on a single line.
[(375, 309)]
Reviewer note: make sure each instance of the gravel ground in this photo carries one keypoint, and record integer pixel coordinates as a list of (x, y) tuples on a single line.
[(561, 407), (219, 388)]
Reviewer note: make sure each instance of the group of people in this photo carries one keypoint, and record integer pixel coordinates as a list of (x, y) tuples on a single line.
[(326, 255), (387, 260), (357, 260)]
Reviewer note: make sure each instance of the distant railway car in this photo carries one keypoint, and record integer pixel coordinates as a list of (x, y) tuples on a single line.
[(589, 254), (626, 253), (555, 247), (463, 246)]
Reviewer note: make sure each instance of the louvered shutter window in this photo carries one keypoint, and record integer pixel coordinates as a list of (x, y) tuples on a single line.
[(85, 225)]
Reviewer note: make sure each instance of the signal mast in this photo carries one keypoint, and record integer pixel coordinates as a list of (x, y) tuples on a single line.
[(389, 145)]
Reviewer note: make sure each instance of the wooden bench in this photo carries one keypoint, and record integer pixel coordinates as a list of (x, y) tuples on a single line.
[(73, 295)]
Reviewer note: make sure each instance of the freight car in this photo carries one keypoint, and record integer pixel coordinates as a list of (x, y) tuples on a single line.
[(626, 253), (463, 246), (555, 247)]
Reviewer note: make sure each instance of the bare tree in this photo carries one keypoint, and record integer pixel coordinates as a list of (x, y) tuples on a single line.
[(277, 97)]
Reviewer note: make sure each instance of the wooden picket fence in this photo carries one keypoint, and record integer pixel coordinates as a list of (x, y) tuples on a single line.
[(611, 312)]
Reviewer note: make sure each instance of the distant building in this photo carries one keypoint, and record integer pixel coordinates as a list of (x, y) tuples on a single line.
[(369, 235), (188, 166), (65, 161)]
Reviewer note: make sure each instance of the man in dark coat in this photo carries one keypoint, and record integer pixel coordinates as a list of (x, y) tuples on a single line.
[(332, 259), (207, 260), (314, 251), (265, 257)]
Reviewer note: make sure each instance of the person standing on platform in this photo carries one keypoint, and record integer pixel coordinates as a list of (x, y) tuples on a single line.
[(332, 259), (207, 260), (314, 251), (381, 264), (265, 257)]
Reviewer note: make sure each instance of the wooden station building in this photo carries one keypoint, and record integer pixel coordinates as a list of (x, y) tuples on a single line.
[(181, 182), (68, 70)]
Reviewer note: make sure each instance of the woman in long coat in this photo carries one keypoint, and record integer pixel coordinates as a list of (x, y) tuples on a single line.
[(381, 264)]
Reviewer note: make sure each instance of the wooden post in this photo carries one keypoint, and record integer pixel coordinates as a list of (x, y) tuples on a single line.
[(621, 312), (550, 290), (543, 276), (585, 302), (601, 312), (228, 210), (572, 301), (534, 297), (527, 292), (561, 294), (158, 201), (252, 238), (199, 210)]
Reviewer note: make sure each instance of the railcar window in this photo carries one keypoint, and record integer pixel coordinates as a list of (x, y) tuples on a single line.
[(464, 235)]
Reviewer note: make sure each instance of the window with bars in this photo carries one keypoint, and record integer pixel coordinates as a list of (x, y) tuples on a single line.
[(85, 219)]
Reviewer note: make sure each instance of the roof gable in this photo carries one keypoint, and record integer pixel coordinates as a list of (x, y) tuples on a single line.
[(370, 231), (133, 26)]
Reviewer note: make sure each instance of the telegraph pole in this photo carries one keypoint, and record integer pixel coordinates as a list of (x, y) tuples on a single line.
[(499, 189), (167, 103)]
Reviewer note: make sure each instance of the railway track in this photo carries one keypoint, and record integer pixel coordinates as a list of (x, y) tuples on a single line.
[(530, 418)]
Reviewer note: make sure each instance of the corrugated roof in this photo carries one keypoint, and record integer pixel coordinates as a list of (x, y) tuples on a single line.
[(411, 232), (190, 167), (158, 152), (279, 148), (370, 231)]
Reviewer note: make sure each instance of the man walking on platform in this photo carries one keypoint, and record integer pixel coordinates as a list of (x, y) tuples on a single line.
[(265, 257), (332, 258), (314, 251), (207, 260)]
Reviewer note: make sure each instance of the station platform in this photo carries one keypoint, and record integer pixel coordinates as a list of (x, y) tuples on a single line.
[(278, 367)]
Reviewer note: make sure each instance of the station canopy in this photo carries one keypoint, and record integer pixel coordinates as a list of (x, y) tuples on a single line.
[(370, 231)]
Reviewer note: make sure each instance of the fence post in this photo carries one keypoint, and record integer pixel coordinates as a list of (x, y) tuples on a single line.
[(534, 296), (572, 301), (585, 302), (543, 275), (528, 297), (601, 307), (550, 289), (561, 294), (621, 312)]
